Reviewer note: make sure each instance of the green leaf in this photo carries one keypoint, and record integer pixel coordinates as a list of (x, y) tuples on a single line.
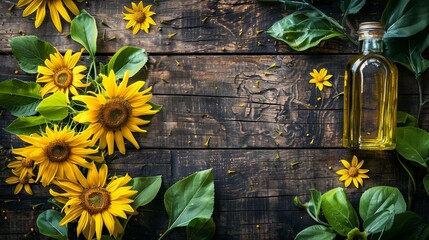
[(24, 110), (16, 93), (406, 226), (200, 229), (148, 188), (405, 18), (54, 107), (339, 211), (302, 30), (315, 202), (316, 232), (379, 222), (408, 51), (48, 224), (83, 30), (26, 125), (31, 52), (380, 198), (127, 58), (351, 6), (378, 206), (426, 183), (413, 144), (189, 198), (404, 119)]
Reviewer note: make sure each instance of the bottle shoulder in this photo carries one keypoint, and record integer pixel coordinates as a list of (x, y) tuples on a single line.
[(370, 58)]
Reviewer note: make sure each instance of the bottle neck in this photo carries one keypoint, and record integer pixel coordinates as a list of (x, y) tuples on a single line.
[(368, 45)]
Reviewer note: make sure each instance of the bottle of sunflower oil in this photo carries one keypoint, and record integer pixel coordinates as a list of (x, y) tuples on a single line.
[(370, 94)]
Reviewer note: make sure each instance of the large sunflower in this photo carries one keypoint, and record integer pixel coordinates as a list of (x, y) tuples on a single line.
[(56, 8), (114, 114), (94, 203), (139, 17), (57, 151), (61, 74)]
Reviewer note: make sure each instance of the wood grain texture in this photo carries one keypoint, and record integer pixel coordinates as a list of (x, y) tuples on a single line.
[(258, 192), (229, 24)]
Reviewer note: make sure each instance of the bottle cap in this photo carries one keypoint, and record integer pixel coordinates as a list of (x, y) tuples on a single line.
[(371, 30)]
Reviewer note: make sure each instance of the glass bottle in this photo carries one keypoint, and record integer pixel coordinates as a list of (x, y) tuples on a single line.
[(370, 94)]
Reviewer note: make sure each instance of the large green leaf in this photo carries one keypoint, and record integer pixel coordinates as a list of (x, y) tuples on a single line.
[(54, 107), (31, 52), (127, 58), (405, 18), (83, 30), (200, 229), (26, 125), (316, 232), (14, 93), (426, 183), (351, 6), (408, 51), (189, 198), (413, 144), (148, 188), (24, 110), (406, 226), (302, 30), (48, 224), (378, 207), (339, 211), (380, 198)]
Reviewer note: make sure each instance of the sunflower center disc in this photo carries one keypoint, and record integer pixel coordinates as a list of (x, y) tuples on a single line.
[(139, 17), (24, 180), (95, 200), (58, 152), (63, 78), (115, 114), (353, 172), (27, 163)]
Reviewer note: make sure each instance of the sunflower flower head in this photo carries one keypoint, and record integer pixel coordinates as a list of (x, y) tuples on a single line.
[(95, 204), (21, 182), (139, 17), (57, 8), (353, 172), (61, 74), (115, 113), (22, 166), (320, 78), (56, 151)]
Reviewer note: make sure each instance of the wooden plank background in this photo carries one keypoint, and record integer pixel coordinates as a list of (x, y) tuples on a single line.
[(231, 96)]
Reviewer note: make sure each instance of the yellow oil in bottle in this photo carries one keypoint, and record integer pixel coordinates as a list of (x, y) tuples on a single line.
[(370, 94)]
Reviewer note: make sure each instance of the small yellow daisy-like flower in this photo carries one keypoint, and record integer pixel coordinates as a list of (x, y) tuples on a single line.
[(114, 114), (57, 151), (353, 172), (61, 74), (95, 203), (139, 17), (321, 78), (56, 9), (23, 182), (22, 166)]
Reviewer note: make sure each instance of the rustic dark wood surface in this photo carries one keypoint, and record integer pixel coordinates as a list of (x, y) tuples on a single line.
[(231, 96)]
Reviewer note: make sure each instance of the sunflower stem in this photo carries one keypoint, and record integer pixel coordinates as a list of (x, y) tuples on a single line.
[(412, 188)]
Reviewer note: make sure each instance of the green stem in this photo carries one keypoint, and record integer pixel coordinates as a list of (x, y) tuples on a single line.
[(419, 87), (412, 188), (316, 219)]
